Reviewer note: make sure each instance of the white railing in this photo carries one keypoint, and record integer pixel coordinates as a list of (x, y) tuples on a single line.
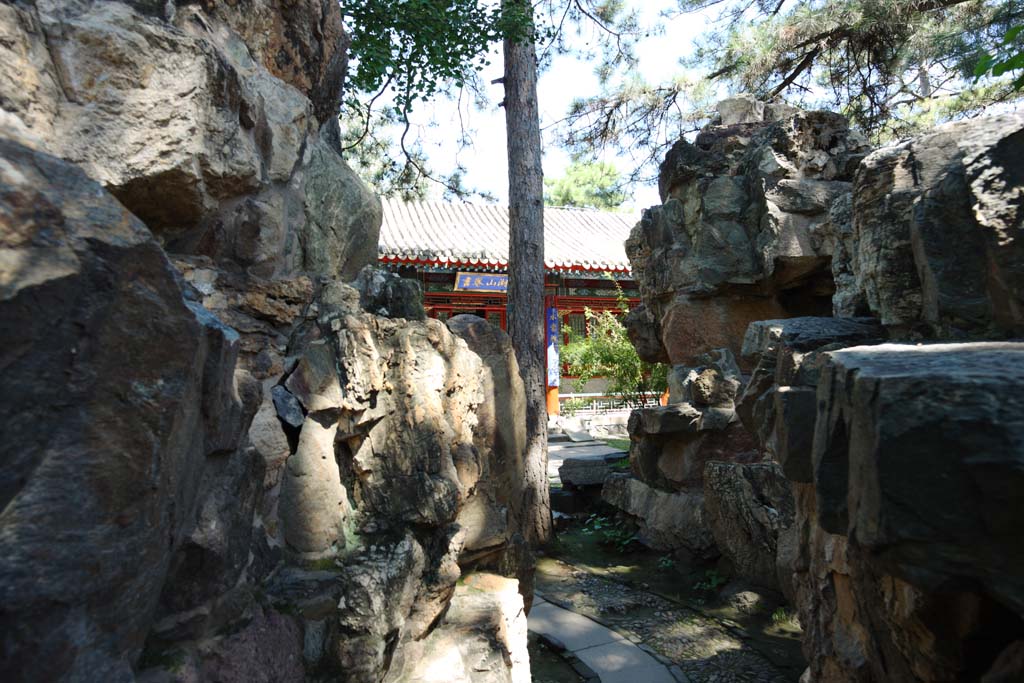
[(598, 403)]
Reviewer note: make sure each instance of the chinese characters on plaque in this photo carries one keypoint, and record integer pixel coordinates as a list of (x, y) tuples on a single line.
[(481, 282)]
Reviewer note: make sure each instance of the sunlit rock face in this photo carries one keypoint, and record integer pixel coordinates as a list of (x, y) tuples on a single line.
[(214, 123), (745, 231), (399, 474)]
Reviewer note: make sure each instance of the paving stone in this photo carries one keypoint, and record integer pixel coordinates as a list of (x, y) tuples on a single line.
[(576, 631), (623, 662)]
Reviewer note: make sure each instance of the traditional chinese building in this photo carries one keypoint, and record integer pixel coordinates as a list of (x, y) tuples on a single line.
[(459, 254)]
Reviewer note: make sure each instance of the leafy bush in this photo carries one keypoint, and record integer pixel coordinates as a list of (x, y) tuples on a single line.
[(607, 352), (617, 534)]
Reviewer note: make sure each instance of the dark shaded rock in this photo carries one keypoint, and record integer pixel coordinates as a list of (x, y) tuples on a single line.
[(671, 444), (645, 334), (1008, 667), (809, 333), (795, 413), (115, 372), (289, 410), (885, 410), (747, 507), (216, 552), (314, 382), (387, 294), (775, 405)]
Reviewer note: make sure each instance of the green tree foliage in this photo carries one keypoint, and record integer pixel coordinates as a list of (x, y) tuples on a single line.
[(368, 150), (890, 65), (414, 47), (406, 53), (590, 185), (893, 66), (402, 54), (607, 352), (1007, 58)]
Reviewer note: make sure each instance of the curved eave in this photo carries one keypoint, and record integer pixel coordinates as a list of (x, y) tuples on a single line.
[(456, 262)]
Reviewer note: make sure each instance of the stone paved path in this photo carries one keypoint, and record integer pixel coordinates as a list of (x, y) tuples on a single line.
[(609, 655), (699, 649)]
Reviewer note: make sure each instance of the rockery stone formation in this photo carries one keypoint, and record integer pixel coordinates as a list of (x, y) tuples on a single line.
[(232, 451), (871, 301)]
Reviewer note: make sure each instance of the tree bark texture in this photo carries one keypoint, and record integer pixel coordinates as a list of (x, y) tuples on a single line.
[(526, 269)]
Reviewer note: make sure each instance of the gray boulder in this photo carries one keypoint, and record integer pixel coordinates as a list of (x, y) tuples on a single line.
[(666, 520), (110, 374), (747, 507), (932, 225), (886, 409)]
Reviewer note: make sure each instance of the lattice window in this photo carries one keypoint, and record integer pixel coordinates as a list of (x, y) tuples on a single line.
[(577, 322)]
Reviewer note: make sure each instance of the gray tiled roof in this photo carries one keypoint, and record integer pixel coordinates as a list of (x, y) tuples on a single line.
[(477, 235)]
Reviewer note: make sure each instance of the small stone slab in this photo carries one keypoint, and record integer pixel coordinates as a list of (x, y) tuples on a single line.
[(577, 435), (584, 471), (581, 451)]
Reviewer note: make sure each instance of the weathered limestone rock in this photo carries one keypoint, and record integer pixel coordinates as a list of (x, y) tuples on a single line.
[(482, 638), (903, 551), (400, 440), (887, 557), (934, 225), (743, 234), (886, 409), (109, 372), (579, 472), (302, 43), (313, 499), (500, 494), (778, 404), (667, 521), (713, 382), (747, 507), (670, 447), (671, 444), (210, 129), (800, 335)]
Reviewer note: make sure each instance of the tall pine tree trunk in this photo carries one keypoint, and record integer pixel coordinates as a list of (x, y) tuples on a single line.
[(526, 267)]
